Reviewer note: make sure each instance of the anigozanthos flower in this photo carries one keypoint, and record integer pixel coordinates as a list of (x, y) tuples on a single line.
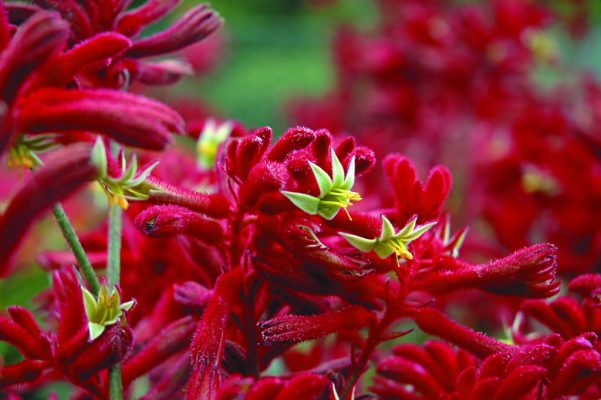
[(104, 311), (24, 151), (130, 185), (390, 242), (334, 193), (213, 134)]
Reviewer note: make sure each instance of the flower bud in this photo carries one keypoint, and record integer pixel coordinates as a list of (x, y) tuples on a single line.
[(167, 220)]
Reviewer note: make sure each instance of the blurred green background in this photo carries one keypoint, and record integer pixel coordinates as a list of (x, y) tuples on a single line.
[(274, 50)]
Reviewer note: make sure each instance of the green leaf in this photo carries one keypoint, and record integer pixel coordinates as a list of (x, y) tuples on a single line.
[(323, 180), (95, 330), (308, 204), (360, 243), (337, 170)]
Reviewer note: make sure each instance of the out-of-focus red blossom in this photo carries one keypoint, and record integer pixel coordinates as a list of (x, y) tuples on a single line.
[(65, 171), (65, 350), (436, 79)]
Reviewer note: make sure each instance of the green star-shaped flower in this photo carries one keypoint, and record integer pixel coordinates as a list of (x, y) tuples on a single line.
[(105, 311), (131, 185), (334, 193), (390, 242)]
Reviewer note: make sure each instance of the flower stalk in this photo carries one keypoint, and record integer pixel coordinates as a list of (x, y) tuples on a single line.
[(76, 247), (114, 274)]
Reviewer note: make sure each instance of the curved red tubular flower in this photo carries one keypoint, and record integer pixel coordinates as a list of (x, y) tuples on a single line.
[(529, 272), (130, 119)]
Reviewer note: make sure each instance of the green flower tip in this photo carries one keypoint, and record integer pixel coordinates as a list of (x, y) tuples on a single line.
[(453, 243), (334, 193), (390, 242), (131, 185), (213, 134), (105, 311)]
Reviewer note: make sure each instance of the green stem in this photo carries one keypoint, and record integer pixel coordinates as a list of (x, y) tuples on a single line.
[(73, 241), (114, 246), (115, 383), (114, 274)]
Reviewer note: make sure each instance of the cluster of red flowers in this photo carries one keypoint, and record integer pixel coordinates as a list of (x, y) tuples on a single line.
[(262, 268)]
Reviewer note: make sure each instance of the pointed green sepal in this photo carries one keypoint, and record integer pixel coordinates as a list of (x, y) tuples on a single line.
[(337, 170), (349, 179), (360, 243), (382, 250), (89, 301), (387, 229), (98, 157), (418, 232), (324, 182), (305, 202), (328, 212), (127, 305), (95, 330)]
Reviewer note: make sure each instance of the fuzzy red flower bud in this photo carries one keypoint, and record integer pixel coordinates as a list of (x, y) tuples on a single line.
[(529, 272), (293, 139), (212, 204), (166, 220), (298, 328), (209, 339), (245, 153), (67, 170), (436, 323), (130, 119), (192, 27), (264, 178)]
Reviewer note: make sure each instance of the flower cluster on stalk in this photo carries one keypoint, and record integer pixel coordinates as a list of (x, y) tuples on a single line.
[(241, 277)]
